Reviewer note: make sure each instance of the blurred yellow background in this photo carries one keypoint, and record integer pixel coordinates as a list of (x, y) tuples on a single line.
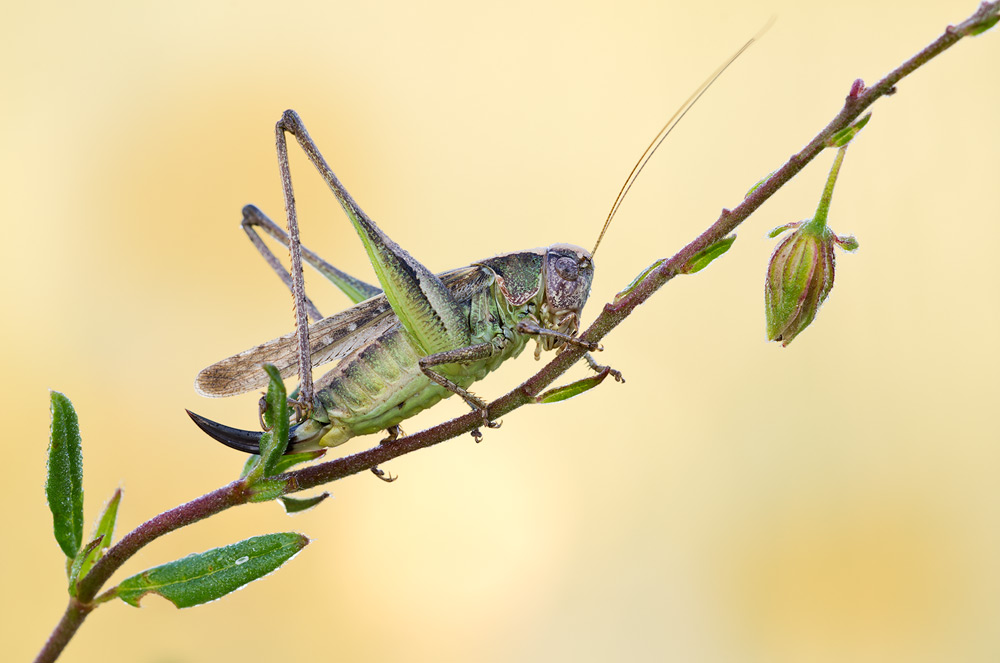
[(733, 501)]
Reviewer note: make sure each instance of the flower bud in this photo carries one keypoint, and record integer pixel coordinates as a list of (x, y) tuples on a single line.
[(800, 274), (799, 278)]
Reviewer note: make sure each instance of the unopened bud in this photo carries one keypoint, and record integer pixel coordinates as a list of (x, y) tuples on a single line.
[(799, 278), (800, 274)]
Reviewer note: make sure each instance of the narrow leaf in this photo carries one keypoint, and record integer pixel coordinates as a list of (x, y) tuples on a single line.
[(207, 576), (64, 485), (704, 258), (788, 226), (276, 419), (77, 565), (296, 504), (573, 388), (983, 27), (106, 530), (288, 461), (251, 463), (845, 135), (637, 280), (759, 184)]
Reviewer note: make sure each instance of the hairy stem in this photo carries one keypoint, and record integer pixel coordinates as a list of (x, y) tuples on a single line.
[(240, 492)]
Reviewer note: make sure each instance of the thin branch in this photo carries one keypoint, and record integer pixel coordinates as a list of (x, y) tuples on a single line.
[(241, 492)]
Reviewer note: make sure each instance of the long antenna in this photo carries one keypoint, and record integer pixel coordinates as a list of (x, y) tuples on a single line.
[(669, 126)]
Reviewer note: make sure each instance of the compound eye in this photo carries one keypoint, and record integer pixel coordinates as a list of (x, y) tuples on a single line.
[(567, 268)]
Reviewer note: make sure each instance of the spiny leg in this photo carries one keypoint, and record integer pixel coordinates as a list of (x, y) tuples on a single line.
[(298, 285), (356, 289), (527, 327), (426, 308), (461, 355), (617, 375), (534, 329), (391, 433)]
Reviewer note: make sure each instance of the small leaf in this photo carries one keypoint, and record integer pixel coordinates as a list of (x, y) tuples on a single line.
[(848, 243), (288, 461), (275, 441), (207, 576), (296, 504), (983, 27), (703, 258), (252, 461), (759, 184), (573, 388), (780, 229), (844, 136), (637, 280), (106, 530), (76, 566), (64, 485), (266, 489)]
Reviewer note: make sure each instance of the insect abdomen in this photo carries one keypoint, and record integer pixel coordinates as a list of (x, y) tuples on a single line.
[(375, 388)]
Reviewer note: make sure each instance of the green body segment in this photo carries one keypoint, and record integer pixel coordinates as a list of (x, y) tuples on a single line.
[(381, 383)]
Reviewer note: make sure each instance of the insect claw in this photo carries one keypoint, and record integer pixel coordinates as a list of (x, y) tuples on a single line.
[(261, 409), (486, 419), (301, 408), (392, 432), (382, 475)]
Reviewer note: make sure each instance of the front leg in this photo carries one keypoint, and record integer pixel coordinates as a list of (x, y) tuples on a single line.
[(534, 329)]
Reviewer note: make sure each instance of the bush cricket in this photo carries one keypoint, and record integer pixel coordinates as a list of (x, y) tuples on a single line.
[(420, 337)]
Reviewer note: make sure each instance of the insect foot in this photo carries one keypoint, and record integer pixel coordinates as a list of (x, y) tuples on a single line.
[(382, 475), (391, 434), (599, 368)]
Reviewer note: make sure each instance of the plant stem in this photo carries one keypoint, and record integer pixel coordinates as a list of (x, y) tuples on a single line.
[(75, 613), (818, 222), (613, 314)]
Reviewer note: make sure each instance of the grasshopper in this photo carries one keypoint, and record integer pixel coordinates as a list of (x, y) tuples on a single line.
[(419, 338)]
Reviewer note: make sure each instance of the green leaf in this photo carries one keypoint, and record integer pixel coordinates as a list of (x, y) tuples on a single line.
[(250, 465), (203, 577), (573, 388), (266, 489), (76, 567), (780, 229), (637, 280), (983, 27), (275, 441), (285, 463), (703, 258), (844, 136), (288, 461), (296, 504), (759, 184), (64, 485), (106, 530)]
